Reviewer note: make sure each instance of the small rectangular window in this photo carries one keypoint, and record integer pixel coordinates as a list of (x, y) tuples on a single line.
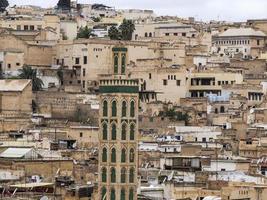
[(18, 27), (8, 66), (83, 84), (83, 71), (184, 34), (167, 34), (165, 82), (85, 60), (178, 82), (18, 64), (26, 28), (81, 134), (150, 75), (77, 61), (32, 28)]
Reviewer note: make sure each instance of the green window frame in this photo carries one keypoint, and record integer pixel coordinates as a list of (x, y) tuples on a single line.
[(123, 155), (104, 175), (132, 109), (104, 155), (116, 63), (105, 108), (113, 155), (114, 108), (113, 175), (112, 194), (131, 194), (123, 131), (131, 157), (113, 132), (124, 109), (123, 63), (103, 193), (104, 131), (131, 175), (123, 175), (123, 197), (132, 132)]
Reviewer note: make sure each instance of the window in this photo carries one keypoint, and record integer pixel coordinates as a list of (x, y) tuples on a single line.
[(112, 194), (31, 27), (175, 34), (103, 193), (123, 175), (131, 194), (123, 194), (150, 76), (165, 82), (18, 64), (145, 34), (123, 63), (184, 34), (18, 27), (105, 131), (83, 72), (104, 155), (131, 158), (113, 132), (258, 42), (123, 131), (105, 108), (131, 175), (8, 66), (114, 109), (85, 60), (81, 134), (178, 82), (150, 34), (104, 175), (113, 175), (26, 28), (167, 34), (83, 84), (113, 155), (132, 109), (116, 64), (124, 109), (222, 109), (132, 131), (123, 155), (77, 61)]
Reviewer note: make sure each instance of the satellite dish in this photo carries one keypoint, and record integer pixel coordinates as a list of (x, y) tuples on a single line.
[(44, 198)]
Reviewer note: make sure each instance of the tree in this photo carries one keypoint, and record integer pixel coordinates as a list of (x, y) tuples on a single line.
[(85, 33), (127, 28), (114, 33), (28, 73), (64, 5), (3, 5)]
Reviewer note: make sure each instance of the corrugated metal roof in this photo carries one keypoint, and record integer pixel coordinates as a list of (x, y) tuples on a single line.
[(11, 85), (15, 152)]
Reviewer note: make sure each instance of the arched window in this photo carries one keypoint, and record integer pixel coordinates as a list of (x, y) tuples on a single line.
[(123, 155), (131, 175), (114, 108), (105, 131), (112, 194), (145, 34), (123, 131), (103, 193), (131, 157), (123, 63), (132, 131), (104, 155), (132, 109), (105, 108), (124, 109), (216, 110), (131, 194), (123, 194), (222, 109), (150, 34), (113, 175), (113, 155), (104, 175), (123, 175), (116, 64), (113, 132)]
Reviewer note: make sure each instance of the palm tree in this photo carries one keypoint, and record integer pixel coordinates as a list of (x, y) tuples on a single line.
[(127, 28), (28, 73)]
